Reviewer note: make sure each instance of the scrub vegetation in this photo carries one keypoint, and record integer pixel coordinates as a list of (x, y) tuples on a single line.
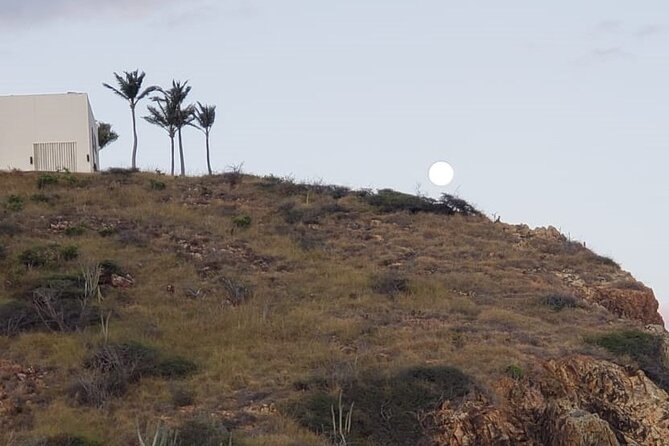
[(240, 310)]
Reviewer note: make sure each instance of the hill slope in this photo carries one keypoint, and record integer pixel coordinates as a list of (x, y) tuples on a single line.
[(257, 308)]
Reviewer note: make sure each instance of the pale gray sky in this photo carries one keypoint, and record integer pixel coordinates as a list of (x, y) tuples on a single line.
[(550, 113)]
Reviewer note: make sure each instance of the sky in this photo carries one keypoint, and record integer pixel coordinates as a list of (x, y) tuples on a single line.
[(551, 113)]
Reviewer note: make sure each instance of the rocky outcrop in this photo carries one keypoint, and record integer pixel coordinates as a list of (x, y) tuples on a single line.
[(20, 390), (637, 303), (575, 401)]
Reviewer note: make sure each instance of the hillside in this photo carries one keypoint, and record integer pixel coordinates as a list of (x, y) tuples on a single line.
[(248, 311)]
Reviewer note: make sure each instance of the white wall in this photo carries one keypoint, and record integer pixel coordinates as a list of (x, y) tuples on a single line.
[(25, 120)]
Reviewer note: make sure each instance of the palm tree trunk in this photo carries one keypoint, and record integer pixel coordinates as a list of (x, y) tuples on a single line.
[(208, 160), (134, 134), (181, 154), (172, 147)]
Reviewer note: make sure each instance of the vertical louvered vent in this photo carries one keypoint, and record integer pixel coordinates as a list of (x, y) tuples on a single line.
[(55, 156)]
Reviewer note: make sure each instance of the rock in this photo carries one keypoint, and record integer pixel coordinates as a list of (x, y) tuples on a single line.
[(122, 281), (577, 400)]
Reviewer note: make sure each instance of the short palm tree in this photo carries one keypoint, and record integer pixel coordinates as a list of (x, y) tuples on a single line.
[(164, 116), (205, 115), (183, 114), (130, 89), (106, 135)]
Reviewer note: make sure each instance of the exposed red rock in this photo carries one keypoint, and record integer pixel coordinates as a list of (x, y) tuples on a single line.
[(577, 401)]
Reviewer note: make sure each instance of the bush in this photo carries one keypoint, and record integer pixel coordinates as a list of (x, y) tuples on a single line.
[(242, 221), (120, 171), (182, 396), (65, 440), (515, 372), (234, 176), (388, 200), (644, 348), (202, 432), (293, 213), (41, 198), (391, 284), (175, 367), (36, 257), (9, 229), (385, 407), (157, 185), (69, 252), (3, 252), (55, 304), (107, 231), (238, 292), (40, 256), (74, 231), (113, 367), (46, 179), (14, 203), (559, 302)]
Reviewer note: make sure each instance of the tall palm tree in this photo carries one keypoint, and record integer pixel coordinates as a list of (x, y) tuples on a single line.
[(205, 115), (183, 114), (130, 89), (164, 116)]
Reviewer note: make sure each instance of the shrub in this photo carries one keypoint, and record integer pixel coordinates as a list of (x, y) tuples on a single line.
[(559, 302), (41, 198), (388, 200), (390, 284), (175, 367), (14, 203), (3, 252), (123, 171), (238, 292), (58, 303), (515, 372), (65, 440), (74, 231), (9, 228), (40, 256), (157, 185), (107, 231), (36, 257), (644, 348), (293, 213), (234, 176), (242, 221), (182, 396), (113, 367), (385, 407), (202, 432), (69, 252), (46, 179)]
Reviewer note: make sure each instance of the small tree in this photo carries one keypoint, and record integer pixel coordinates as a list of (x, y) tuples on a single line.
[(130, 89), (106, 135), (205, 115)]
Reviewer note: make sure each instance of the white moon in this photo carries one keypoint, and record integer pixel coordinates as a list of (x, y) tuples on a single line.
[(441, 173)]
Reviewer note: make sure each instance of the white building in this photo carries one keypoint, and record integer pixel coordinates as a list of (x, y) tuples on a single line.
[(48, 133)]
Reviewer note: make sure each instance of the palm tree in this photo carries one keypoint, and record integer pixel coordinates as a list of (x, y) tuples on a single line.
[(106, 135), (205, 115), (164, 116), (130, 89), (183, 115)]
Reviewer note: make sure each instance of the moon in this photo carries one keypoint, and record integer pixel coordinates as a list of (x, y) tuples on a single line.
[(441, 173)]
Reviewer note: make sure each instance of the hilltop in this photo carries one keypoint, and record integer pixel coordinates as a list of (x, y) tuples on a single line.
[(253, 310)]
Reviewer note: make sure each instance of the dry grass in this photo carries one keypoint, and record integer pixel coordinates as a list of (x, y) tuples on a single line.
[(313, 316)]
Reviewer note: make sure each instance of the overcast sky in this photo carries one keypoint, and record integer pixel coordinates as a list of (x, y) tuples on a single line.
[(551, 113)]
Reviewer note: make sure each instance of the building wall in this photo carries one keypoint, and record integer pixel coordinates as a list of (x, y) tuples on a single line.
[(26, 120)]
